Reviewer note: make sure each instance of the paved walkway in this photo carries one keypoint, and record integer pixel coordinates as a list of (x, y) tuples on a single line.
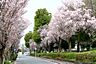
[(35, 60)]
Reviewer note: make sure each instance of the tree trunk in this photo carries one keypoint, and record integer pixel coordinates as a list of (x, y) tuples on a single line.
[(1, 58), (78, 49), (49, 48), (60, 45), (30, 51), (69, 44)]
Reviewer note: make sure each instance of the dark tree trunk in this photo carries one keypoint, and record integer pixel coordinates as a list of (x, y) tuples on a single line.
[(1, 57), (69, 46), (88, 47), (69, 43), (78, 49), (60, 45), (30, 51), (49, 48), (2, 53)]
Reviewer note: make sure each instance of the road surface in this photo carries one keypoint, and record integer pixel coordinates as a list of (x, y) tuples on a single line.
[(35, 60)]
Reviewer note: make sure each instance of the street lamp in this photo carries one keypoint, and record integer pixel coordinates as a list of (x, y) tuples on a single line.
[(35, 51)]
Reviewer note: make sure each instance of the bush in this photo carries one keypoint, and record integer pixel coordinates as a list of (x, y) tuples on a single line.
[(86, 57), (7, 62), (58, 56), (13, 56), (68, 56)]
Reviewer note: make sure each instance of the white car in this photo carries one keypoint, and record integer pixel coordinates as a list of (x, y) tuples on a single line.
[(26, 53), (19, 54)]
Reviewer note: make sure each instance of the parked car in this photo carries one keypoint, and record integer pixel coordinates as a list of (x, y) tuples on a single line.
[(26, 53)]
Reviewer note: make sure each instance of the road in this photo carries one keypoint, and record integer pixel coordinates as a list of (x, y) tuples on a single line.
[(35, 60)]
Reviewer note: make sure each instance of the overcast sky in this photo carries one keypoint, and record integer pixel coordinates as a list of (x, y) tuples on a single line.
[(33, 5)]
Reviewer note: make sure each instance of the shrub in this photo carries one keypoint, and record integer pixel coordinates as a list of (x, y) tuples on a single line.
[(86, 57), (68, 56), (7, 62), (58, 56), (13, 56)]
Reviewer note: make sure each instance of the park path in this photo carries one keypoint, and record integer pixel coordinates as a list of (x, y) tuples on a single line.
[(35, 60)]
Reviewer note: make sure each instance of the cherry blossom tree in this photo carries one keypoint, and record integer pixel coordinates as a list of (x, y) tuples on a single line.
[(11, 24), (70, 18)]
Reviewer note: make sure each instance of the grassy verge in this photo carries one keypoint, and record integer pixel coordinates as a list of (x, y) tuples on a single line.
[(85, 57), (58, 56)]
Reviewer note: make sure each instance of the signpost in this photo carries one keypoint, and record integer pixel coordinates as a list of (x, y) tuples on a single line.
[(35, 51)]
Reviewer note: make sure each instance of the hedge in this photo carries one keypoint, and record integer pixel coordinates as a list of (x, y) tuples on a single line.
[(87, 57), (59, 56), (7, 62), (84, 57)]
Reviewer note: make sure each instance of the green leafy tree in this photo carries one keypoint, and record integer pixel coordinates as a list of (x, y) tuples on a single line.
[(94, 40), (36, 37), (82, 36), (27, 38), (42, 17)]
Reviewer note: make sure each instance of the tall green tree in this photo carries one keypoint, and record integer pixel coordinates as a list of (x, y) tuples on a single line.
[(36, 37), (42, 17), (27, 38)]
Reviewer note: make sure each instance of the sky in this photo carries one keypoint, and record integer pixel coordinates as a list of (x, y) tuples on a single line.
[(32, 6)]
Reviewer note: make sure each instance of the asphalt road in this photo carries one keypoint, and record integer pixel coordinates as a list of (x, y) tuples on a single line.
[(35, 60)]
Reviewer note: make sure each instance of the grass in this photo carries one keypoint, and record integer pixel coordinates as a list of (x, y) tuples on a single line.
[(57, 56)]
